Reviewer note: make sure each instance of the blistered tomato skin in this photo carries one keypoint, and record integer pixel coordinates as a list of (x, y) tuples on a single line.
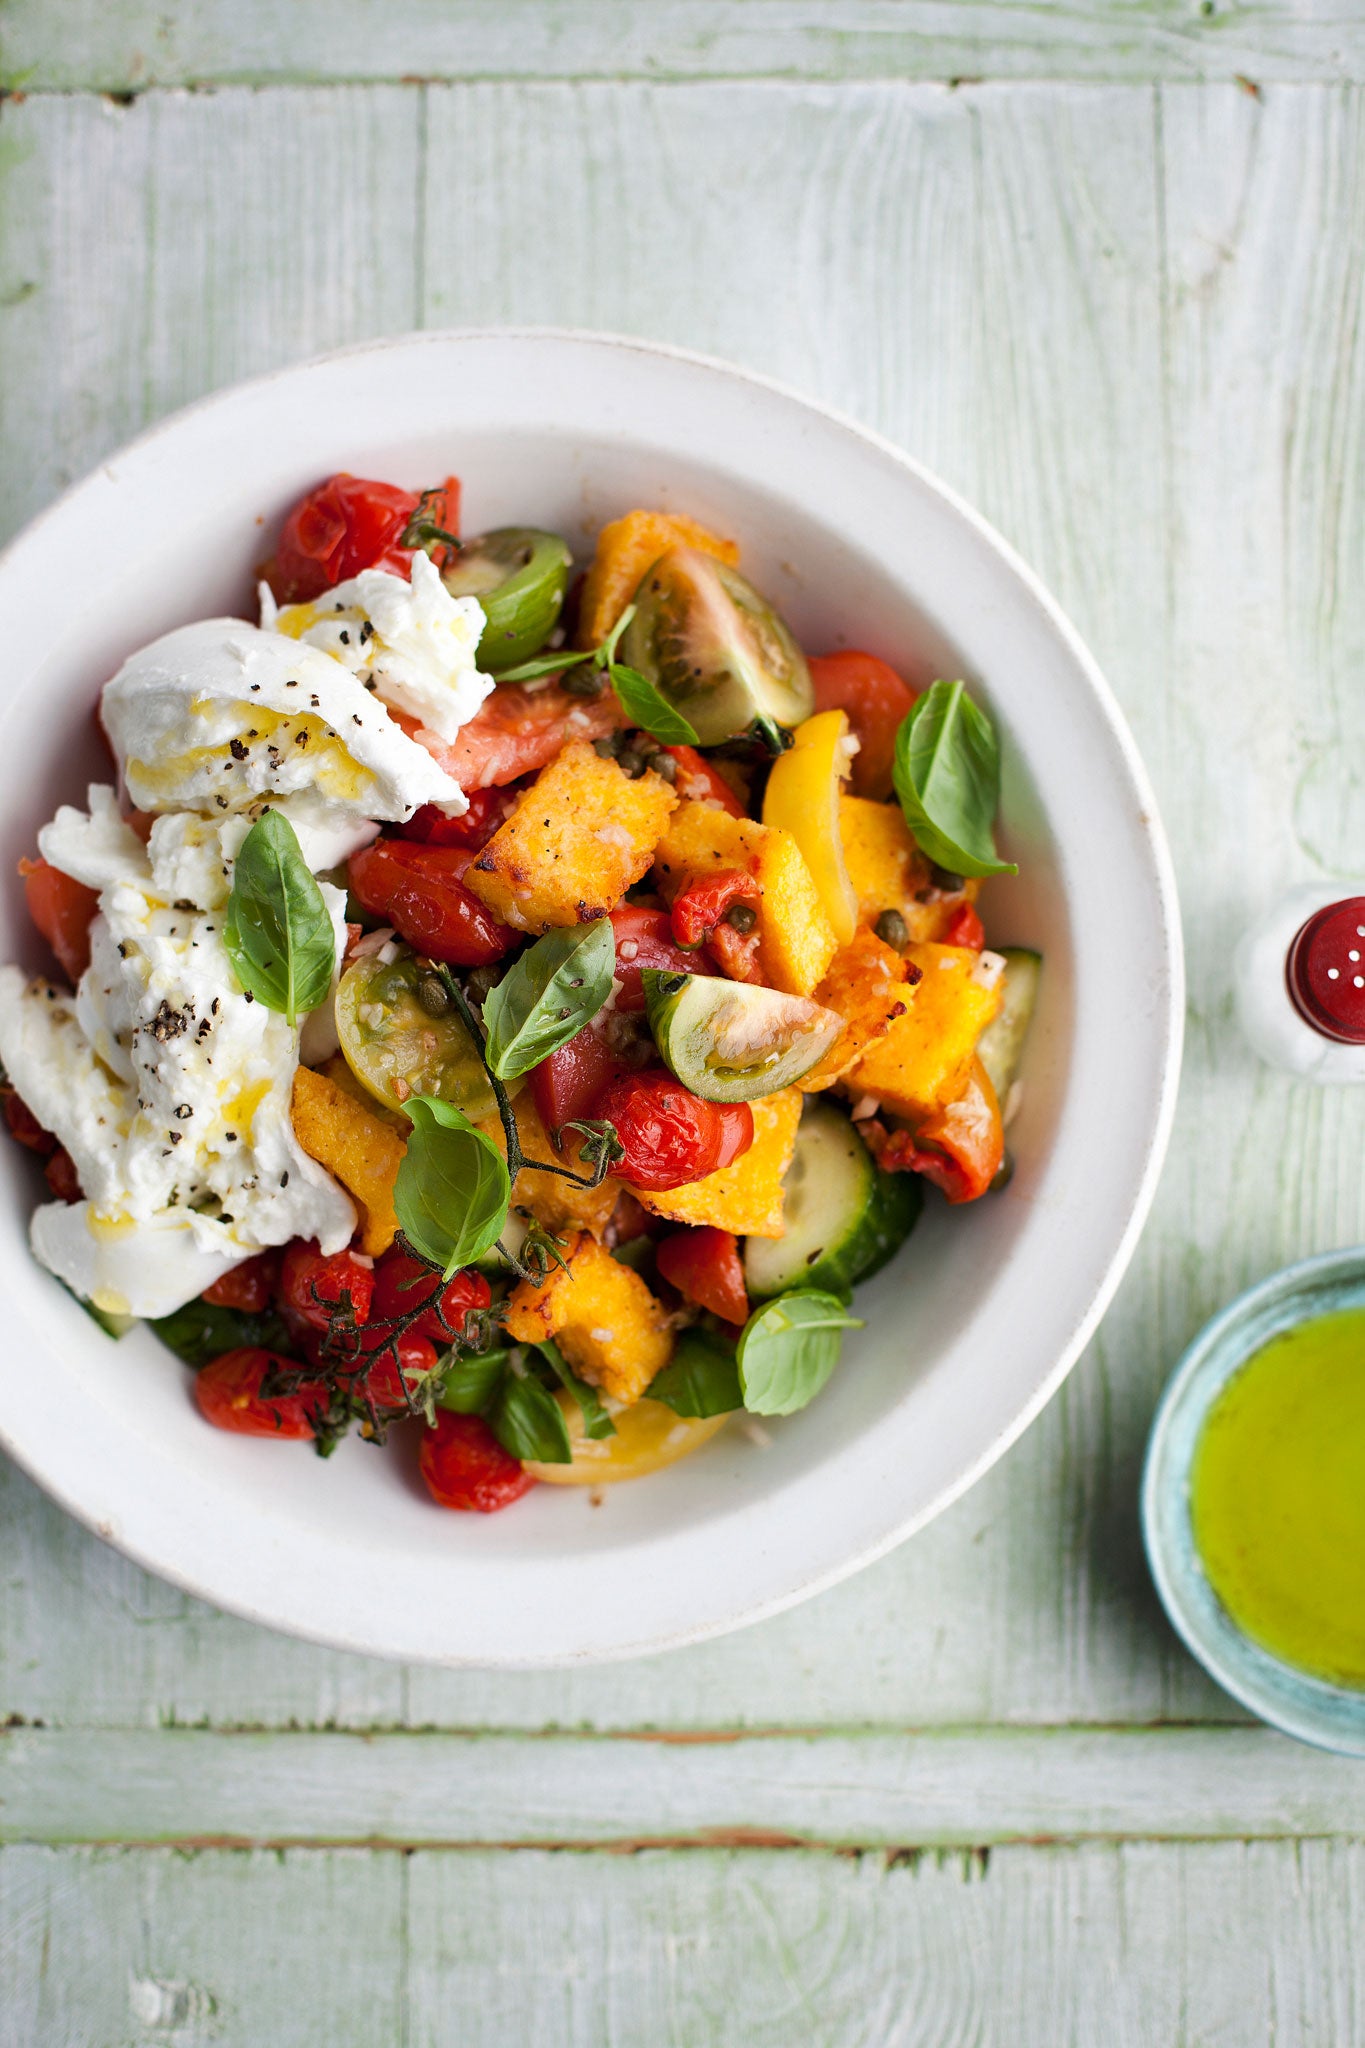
[(465, 1466), (645, 938), (347, 524), (228, 1394), (384, 1382), (249, 1287), (671, 1137), (420, 891), (488, 809), (402, 1283), (313, 1288), (62, 909), (965, 928), (704, 1264)]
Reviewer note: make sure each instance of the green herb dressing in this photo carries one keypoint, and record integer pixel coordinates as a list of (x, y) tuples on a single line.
[(1277, 1497)]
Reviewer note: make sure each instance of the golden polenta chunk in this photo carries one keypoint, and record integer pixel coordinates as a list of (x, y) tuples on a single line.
[(745, 1197), (602, 1316), (925, 1058), (357, 1145), (888, 871), (867, 984), (552, 1200), (581, 834), (625, 549), (795, 938)]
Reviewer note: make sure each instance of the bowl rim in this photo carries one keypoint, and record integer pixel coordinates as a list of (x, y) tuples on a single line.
[(1167, 1017), (1298, 1703)]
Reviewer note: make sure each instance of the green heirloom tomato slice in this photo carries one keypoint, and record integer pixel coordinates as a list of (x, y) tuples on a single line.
[(730, 1041), (519, 576), (715, 649), (844, 1217), (397, 1048)]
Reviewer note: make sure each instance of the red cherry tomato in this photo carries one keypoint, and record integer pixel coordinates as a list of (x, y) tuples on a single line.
[(62, 909), (61, 1176), (465, 1466), (704, 1265), (565, 1086), (228, 1392), (348, 524), (383, 1382), (644, 938), (24, 1125), (402, 1283), (701, 783), (964, 928), (515, 731), (876, 701), (249, 1287), (671, 1137), (488, 808), (312, 1287), (419, 890)]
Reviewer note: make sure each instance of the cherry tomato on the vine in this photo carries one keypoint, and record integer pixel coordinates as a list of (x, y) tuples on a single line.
[(314, 1288), (403, 1283), (671, 1137), (420, 891), (249, 1287), (228, 1392), (465, 1466), (383, 1381), (350, 523), (565, 1086)]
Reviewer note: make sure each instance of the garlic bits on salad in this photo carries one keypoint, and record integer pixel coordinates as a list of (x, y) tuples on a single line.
[(505, 1004)]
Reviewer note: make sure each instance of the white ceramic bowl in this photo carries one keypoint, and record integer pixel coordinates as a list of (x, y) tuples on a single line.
[(968, 1332)]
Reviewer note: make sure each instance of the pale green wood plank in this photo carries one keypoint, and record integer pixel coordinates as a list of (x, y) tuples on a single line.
[(73, 43), (955, 1788)]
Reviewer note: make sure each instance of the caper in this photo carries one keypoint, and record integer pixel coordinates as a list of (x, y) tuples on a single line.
[(742, 916), (609, 747), (631, 763), (945, 879), (892, 929), (433, 995), (583, 681), (664, 764)]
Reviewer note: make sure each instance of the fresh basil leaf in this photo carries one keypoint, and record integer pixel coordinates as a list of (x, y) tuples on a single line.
[(947, 776), (545, 665), (788, 1349), (199, 1331), (278, 931), (527, 1420), (648, 708), (452, 1190), (596, 1421), (472, 1380), (701, 1378), (548, 996)]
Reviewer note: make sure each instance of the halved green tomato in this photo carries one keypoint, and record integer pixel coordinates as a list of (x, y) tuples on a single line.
[(519, 576), (730, 1041), (715, 649), (396, 1047)]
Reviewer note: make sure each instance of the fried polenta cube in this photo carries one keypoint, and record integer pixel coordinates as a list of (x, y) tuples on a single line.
[(888, 871), (795, 938), (625, 549), (357, 1145), (745, 1197), (869, 985), (924, 1060), (602, 1316), (553, 1201), (578, 838)]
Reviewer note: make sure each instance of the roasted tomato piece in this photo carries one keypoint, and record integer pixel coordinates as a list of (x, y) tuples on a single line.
[(228, 1392), (566, 1085), (671, 1137), (721, 912), (516, 731), (644, 938), (703, 1264), (697, 780), (959, 1148), (249, 1287), (61, 1176), (350, 523), (876, 701), (420, 891), (62, 909), (964, 928), (465, 1466), (487, 810), (385, 1379), (24, 1125), (313, 1287), (403, 1283)]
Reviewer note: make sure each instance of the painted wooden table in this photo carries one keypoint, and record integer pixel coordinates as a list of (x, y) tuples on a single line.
[(1102, 265)]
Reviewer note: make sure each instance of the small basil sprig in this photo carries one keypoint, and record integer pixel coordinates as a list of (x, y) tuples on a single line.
[(644, 704), (788, 1349), (701, 1378), (947, 777), (518, 1407), (471, 1381), (596, 1421), (527, 1420), (452, 1190), (548, 996), (278, 932)]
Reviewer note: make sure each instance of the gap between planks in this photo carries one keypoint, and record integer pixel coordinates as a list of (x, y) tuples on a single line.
[(959, 1789)]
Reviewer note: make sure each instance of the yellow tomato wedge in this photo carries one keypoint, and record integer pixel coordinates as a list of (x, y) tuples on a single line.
[(648, 1437), (803, 798)]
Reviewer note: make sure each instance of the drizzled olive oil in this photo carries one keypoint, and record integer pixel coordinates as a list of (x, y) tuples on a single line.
[(1277, 1497)]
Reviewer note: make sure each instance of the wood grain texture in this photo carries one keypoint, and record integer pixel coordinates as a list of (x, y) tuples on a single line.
[(1044, 1948), (69, 44)]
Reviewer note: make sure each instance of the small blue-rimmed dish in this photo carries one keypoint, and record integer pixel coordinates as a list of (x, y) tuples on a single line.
[(1313, 1709)]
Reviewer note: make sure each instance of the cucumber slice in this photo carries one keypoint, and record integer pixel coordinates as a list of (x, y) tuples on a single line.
[(519, 576), (1002, 1042), (845, 1218), (729, 1041)]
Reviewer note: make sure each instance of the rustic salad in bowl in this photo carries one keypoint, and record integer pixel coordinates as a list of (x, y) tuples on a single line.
[(510, 998)]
